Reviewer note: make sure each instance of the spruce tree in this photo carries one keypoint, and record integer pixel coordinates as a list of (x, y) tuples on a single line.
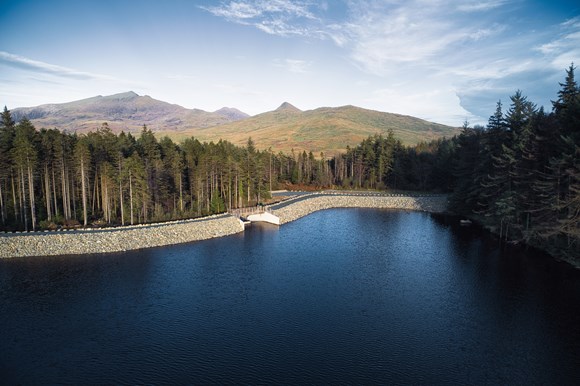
[(25, 157), (7, 133), (567, 106)]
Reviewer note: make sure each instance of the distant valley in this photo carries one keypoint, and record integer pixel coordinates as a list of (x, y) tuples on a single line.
[(326, 129)]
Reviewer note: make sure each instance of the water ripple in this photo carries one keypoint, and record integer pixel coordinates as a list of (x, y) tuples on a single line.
[(339, 297)]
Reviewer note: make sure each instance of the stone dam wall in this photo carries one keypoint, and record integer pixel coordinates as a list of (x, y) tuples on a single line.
[(155, 235), (117, 239), (316, 202)]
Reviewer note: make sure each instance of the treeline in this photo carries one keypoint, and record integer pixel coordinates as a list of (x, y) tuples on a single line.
[(384, 163), (51, 178), (521, 174)]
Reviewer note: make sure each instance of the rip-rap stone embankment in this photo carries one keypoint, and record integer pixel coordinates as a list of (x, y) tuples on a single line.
[(117, 239), (298, 209)]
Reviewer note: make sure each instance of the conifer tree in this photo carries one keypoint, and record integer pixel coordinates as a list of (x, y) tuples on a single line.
[(25, 156), (7, 133), (83, 159), (567, 106)]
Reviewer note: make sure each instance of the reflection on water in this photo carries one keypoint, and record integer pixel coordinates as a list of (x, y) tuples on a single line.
[(343, 296)]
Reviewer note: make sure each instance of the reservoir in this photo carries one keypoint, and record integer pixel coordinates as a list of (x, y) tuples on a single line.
[(343, 296)]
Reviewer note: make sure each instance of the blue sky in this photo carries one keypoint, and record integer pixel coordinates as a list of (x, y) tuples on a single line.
[(445, 61)]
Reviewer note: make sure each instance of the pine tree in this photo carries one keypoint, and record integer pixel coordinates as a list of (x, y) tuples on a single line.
[(24, 156), (150, 153), (83, 159), (567, 106), (138, 192), (7, 134), (466, 164)]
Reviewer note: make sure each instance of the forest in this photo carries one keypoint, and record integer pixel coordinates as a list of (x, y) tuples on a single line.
[(519, 175)]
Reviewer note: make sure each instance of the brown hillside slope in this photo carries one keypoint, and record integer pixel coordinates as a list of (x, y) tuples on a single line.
[(325, 129)]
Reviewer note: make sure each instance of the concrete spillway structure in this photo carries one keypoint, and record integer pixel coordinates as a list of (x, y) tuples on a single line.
[(264, 217)]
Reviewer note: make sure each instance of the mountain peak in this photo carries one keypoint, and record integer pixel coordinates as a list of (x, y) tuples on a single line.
[(231, 113), (122, 96), (288, 107)]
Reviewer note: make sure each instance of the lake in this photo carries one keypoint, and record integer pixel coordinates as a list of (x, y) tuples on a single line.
[(351, 296)]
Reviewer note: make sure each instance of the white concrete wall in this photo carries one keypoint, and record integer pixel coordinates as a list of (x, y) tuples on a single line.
[(264, 217)]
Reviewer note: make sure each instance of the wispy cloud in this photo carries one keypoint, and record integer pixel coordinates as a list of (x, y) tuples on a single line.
[(479, 6), (235, 10), (36, 66), (387, 35), (377, 33), (276, 17), (565, 48), (293, 65), (395, 40)]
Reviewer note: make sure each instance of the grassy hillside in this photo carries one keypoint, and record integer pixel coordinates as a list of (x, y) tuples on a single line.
[(325, 129)]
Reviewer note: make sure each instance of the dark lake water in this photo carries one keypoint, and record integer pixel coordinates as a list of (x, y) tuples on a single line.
[(352, 296)]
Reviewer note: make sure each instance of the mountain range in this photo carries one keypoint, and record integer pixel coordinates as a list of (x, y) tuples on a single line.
[(126, 111), (325, 129)]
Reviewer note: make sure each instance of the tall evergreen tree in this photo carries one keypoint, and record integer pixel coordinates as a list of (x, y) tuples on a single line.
[(567, 106), (150, 152), (83, 159), (7, 134), (24, 156)]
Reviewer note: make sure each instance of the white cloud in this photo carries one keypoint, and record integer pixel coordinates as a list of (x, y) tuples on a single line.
[(479, 6), (36, 82), (236, 10), (377, 33), (492, 70), (276, 17), (571, 23), (36, 66), (387, 35), (293, 65), (565, 48), (434, 104)]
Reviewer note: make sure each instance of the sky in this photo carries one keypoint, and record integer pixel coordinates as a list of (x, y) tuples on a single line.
[(443, 61)]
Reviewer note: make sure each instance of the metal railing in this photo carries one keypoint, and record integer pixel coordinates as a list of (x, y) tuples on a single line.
[(245, 212)]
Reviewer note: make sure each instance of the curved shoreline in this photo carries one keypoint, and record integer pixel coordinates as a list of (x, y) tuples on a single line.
[(162, 234), (316, 202)]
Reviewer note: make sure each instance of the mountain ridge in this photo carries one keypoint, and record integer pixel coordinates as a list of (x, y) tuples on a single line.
[(287, 128), (126, 111), (325, 129)]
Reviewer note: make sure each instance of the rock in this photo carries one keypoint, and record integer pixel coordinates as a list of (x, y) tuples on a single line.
[(118, 239)]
